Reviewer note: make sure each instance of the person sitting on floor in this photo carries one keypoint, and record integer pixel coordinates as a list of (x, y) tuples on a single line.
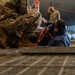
[(54, 34)]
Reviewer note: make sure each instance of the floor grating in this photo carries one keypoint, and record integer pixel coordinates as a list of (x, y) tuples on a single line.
[(39, 65)]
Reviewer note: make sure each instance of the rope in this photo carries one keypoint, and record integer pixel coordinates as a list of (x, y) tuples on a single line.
[(42, 34), (32, 4)]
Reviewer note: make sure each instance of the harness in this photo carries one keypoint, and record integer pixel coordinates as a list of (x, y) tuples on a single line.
[(42, 34), (57, 29)]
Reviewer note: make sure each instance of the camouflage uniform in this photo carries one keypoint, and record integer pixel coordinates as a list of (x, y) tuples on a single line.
[(13, 23), (53, 15), (20, 6)]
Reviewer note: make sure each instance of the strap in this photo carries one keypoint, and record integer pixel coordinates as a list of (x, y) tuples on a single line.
[(42, 33), (50, 35)]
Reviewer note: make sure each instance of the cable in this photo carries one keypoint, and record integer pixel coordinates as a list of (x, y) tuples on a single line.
[(59, 8)]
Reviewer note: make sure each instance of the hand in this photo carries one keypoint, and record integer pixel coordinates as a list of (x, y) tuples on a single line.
[(44, 20), (49, 8)]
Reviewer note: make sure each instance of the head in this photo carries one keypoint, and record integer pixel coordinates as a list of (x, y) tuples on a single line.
[(60, 25), (51, 8)]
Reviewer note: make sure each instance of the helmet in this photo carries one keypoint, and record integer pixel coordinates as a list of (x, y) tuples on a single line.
[(32, 38)]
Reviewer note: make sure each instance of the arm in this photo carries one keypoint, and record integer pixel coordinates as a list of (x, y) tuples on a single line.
[(48, 11), (48, 23), (58, 15)]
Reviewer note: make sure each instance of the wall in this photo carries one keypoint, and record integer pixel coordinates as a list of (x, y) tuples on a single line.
[(66, 8)]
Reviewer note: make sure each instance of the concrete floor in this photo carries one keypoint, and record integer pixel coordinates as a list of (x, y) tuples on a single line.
[(14, 63), (38, 65)]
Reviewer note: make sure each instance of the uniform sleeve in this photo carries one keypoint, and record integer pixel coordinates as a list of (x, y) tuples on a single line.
[(49, 23), (58, 15)]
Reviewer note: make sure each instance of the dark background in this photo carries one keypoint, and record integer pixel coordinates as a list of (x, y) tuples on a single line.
[(66, 8)]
